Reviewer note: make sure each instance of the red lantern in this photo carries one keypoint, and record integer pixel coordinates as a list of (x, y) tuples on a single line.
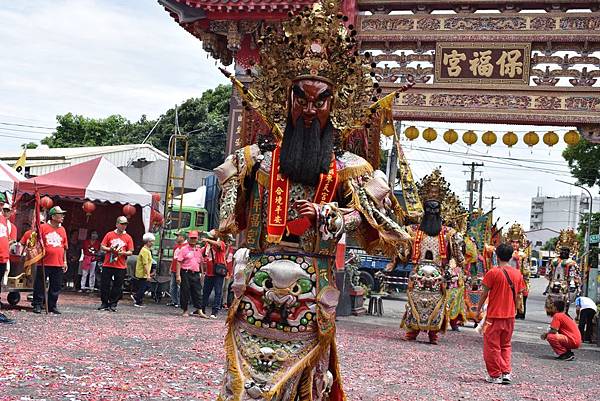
[(46, 203), (156, 218), (89, 208), (128, 210)]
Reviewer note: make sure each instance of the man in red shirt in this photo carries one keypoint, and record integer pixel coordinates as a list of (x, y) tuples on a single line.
[(215, 255), (54, 239), (564, 334), (4, 247), (118, 245), (502, 285)]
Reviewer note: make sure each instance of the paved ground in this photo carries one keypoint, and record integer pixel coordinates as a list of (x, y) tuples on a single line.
[(153, 354)]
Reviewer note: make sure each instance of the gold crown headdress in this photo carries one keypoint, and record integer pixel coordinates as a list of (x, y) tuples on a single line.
[(454, 214), (515, 233), (567, 239), (433, 187), (314, 44)]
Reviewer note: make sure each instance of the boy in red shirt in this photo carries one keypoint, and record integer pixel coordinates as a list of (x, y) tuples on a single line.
[(54, 239), (564, 334), (118, 245), (502, 284)]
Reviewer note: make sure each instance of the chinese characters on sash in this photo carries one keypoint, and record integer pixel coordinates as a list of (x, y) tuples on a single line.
[(279, 199)]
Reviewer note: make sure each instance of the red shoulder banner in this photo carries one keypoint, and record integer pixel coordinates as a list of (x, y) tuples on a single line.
[(278, 201)]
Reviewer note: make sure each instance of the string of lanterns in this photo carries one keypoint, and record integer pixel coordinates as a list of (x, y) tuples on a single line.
[(489, 138)]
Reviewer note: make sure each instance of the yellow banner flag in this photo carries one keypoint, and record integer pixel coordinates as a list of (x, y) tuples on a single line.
[(20, 164)]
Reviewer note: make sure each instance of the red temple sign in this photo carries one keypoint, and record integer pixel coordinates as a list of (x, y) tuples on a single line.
[(500, 63)]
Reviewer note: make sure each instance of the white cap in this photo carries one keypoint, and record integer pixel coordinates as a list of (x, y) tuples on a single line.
[(148, 237), (6, 206)]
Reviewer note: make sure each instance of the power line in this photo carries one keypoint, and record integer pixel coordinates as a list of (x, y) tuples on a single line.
[(26, 131), (504, 163), (34, 120), (27, 126), (486, 156), (20, 137)]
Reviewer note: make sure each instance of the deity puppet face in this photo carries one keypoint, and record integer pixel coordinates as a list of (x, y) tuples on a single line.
[(432, 207), (308, 138), (515, 245), (431, 223), (310, 99), (565, 253)]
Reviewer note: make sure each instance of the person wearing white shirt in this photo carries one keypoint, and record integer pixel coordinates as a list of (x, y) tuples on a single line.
[(586, 309)]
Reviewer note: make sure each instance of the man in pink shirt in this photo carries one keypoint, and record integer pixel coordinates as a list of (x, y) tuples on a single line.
[(189, 258)]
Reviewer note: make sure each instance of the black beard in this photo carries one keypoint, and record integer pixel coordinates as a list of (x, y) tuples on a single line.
[(306, 152), (431, 224)]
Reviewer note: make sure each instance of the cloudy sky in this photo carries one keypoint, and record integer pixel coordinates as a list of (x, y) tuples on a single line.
[(103, 57)]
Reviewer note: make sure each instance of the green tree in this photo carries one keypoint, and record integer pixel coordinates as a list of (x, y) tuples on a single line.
[(76, 130), (206, 120), (29, 145), (583, 161), (581, 233), (206, 116)]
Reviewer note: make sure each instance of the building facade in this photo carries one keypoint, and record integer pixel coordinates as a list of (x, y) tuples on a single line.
[(560, 212)]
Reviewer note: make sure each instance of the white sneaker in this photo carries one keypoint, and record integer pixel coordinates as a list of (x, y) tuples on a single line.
[(493, 380), (213, 317), (506, 378), (138, 305)]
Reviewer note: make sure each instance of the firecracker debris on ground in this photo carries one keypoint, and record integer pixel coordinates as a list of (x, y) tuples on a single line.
[(155, 354)]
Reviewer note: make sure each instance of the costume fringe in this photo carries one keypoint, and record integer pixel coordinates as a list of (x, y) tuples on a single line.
[(354, 171), (237, 385), (262, 178), (306, 386), (308, 362), (338, 373)]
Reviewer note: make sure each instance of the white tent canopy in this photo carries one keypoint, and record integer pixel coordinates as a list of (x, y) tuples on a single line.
[(8, 179), (96, 179)]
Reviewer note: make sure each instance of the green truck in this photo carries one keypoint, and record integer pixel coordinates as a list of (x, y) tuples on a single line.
[(192, 218)]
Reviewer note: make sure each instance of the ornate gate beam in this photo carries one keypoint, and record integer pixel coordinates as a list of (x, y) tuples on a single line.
[(421, 32), (561, 106), (470, 6)]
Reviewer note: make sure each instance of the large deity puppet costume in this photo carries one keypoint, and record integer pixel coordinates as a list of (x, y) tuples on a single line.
[(563, 274), (436, 253), (455, 216), (292, 199), (520, 260)]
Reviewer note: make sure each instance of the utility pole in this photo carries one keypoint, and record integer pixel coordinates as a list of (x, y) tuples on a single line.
[(473, 165), (492, 198), (481, 181)]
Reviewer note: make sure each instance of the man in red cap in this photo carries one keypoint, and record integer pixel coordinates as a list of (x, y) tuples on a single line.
[(118, 245), (55, 242), (216, 271), (189, 259)]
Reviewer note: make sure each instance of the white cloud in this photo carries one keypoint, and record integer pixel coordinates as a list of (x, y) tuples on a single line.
[(95, 58)]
